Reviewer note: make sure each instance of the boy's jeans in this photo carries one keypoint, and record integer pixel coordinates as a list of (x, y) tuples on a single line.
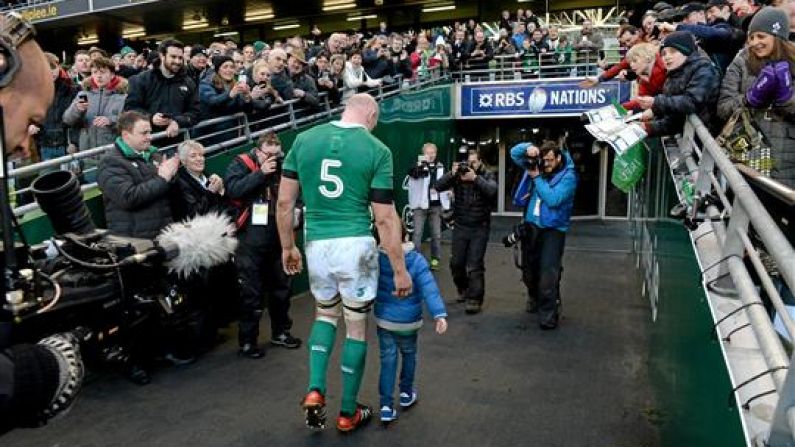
[(390, 343)]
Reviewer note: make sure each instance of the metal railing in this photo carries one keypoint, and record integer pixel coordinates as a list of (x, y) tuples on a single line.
[(724, 204), (535, 66), (242, 129)]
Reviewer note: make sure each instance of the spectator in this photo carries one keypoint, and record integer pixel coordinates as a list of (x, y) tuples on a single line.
[(263, 95), (420, 55), (240, 63), (230, 45), (588, 45), (459, 50), (519, 34), (280, 79), (321, 73), (198, 193), (645, 60), (95, 52), (197, 68), (128, 67), (719, 39), (399, 61), (222, 95), (481, 52), (304, 87), (628, 38), (81, 69), (52, 137), (95, 110), (375, 57), (166, 92), (529, 17), (505, 47), (249, 55), (355, 78), (505, 21), (691, 86), (760, 78), (789, 7), (651, 32)]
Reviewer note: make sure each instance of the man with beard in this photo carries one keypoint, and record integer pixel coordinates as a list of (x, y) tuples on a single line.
[(304, 87), (166, 92)]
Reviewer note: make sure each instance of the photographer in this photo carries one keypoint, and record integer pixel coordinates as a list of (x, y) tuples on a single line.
[(252, 183), (425, 202), (474, 189), (547, 192)]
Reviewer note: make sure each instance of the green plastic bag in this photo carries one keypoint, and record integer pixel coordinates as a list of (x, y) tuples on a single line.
[(629, 167)]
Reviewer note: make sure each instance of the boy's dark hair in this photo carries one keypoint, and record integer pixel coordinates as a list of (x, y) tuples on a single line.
[(270, 138), (128, 119), (103, 62), (168, 43)]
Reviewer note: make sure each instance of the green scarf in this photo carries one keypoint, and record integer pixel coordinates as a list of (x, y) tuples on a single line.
[(132, 153)]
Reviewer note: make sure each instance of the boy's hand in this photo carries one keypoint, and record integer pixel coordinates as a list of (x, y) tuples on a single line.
[(441, 325)]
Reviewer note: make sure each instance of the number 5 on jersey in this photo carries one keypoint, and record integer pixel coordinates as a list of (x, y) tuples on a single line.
[(326, 176)]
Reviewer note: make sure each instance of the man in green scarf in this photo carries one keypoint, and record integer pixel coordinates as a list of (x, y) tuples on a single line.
[(135, 190)]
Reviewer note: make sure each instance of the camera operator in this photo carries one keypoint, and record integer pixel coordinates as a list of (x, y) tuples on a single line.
[(425, 202), (474, 189), (37, 381), (548, 190), (252, 182)]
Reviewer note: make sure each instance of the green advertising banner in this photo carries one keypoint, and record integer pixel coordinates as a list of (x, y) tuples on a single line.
[(428, 104)]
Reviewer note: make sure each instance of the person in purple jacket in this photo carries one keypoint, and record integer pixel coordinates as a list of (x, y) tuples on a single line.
[(399, 320)]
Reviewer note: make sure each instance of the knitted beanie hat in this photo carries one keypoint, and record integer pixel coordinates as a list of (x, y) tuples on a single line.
[(682, 41), (772, 21), (219, 60)]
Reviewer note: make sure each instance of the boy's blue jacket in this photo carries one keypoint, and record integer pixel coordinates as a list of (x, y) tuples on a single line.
[(405, 314), (556, 194)]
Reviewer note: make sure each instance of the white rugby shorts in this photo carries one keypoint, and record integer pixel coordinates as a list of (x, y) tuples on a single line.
[(347, 266)]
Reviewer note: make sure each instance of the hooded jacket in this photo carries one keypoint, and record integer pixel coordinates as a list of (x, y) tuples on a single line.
[(691, 88), (405, 314), (107, 102), (151, 92)]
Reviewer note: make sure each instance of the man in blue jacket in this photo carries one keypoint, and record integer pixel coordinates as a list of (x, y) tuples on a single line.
[(547, 193)]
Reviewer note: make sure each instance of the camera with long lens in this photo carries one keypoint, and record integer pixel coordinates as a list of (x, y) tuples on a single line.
[(516, 235), (535, 163), (115, 287), (463, 168)]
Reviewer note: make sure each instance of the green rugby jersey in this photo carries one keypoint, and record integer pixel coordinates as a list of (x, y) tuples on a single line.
[(337, 166)]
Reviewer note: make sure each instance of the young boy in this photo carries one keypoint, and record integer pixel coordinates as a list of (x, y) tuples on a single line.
[(399, 320)]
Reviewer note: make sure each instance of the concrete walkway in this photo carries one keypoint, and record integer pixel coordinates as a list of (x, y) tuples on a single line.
[(494, 379)]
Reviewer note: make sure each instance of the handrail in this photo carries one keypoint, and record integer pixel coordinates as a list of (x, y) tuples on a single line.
[(289, 117), (715, 172)]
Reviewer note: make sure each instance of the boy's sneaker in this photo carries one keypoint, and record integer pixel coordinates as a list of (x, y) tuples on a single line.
[(388, 414), (314, 406), (434, 264), (407, 400), (286, 340), (360, 418)]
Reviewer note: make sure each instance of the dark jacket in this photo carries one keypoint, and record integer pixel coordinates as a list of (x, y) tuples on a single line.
[(305, 82), (196, 74), (136, 198), (376, 67), (151, 92), (248, 187), (480, 62), (691, 88), (53, 132), (776, 122), (718, 39), (472, 200), (282, 83), (192, 199), (127, 71), (215, 100), (335, 92)]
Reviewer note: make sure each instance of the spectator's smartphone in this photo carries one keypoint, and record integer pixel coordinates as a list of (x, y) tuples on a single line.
[(166, 115), (82, 96), (242, 78)]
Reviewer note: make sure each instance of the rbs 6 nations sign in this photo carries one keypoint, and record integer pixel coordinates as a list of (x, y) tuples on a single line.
[(536, 98)]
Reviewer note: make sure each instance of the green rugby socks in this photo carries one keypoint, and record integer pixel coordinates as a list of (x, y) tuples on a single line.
[(354, 354), (321, 342)]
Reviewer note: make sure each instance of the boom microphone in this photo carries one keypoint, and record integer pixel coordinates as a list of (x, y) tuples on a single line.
[(194, 244)]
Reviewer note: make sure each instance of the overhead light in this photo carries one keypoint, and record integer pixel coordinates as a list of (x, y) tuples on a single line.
[(88, 40), (355, 18), (134, 35), (438, 8), (228, 33), (339, 6), (253, 16), (195, 25), (286, 26), (133, 32)]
